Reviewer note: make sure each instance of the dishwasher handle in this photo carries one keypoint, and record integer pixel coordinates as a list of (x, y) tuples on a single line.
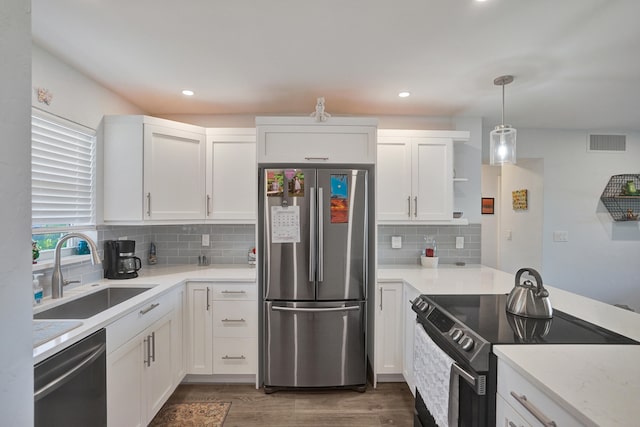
[(95, 353)]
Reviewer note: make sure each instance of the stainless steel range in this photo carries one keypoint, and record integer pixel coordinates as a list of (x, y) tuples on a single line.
[(456, 333)]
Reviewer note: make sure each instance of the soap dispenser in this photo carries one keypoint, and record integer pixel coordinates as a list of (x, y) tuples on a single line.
[(37, 289)]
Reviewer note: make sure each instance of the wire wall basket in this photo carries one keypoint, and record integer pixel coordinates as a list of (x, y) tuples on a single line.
[(621, 197)]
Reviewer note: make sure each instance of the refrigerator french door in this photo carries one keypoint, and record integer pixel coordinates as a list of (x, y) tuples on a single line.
[(314, 229)]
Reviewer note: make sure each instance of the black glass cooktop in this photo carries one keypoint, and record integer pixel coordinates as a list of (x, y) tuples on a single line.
[(487, 316)]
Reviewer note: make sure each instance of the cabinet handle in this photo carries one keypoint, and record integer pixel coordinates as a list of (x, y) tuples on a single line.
[(208, 205), (152, 356), (415, 202), (147, 360), (241, 357), (233, 320), (409, 206), (316, 158), (540, 416), (148, 309), (148, 204), (233, 292), (380, 298), (208, 305)]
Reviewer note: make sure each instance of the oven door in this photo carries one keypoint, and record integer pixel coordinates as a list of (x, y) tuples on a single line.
[(448, 393)]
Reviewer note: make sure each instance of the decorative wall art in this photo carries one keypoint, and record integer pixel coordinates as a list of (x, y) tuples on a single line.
[(487, 206), (44, 96), (519, 200)]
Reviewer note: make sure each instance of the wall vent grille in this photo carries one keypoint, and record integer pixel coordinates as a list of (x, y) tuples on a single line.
[(599, 142)]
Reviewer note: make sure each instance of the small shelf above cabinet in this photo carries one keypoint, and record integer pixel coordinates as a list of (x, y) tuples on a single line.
[(621, 197)]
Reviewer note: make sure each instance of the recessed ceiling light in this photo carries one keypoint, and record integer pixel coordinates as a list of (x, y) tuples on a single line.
[(404, 94), (188, 92)]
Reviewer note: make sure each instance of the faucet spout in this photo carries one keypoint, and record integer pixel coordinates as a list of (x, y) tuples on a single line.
[(57, 281)]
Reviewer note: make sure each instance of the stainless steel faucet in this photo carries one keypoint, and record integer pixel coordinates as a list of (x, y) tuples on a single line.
[(57, 282)]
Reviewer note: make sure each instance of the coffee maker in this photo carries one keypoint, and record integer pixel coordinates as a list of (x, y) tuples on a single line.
[(119, 259)]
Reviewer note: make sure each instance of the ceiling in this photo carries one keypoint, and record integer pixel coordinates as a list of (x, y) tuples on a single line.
[(576, 63)]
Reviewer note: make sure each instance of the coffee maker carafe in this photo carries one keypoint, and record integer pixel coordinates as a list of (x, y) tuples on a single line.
[(119, 259)]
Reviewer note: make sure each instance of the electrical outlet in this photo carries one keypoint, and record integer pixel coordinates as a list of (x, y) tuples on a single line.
[(205, 240), (508, 235), (396, 242), (560, 236), (460, 242)]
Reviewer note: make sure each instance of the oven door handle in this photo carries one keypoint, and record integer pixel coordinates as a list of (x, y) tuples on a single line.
[(470, 379)]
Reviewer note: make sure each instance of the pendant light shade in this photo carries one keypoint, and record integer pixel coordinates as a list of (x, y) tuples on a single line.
[(503, 137)]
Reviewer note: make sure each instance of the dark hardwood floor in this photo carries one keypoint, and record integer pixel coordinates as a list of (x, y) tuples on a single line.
[(391, 404)]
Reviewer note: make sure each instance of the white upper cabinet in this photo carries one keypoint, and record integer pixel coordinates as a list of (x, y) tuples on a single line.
[(415, 175), (231, 183), (174, 170), (154, 170), (303, 140)]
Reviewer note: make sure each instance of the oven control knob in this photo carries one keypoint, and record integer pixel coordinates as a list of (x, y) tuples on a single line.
[(467, 343), (456, 334)]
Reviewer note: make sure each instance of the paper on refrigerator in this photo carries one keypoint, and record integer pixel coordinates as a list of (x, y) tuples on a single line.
[(285, 224)]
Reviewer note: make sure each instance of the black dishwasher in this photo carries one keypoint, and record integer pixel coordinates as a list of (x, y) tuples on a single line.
[(70, 386)]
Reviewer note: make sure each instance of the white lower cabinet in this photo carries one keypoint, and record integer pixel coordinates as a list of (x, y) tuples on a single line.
[(142, 369), (199, 329), (409, 294), (388, 328), (522, 403), (223, 328)]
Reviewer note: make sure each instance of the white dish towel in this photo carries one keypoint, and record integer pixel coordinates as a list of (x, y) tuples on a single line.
[(432, 370)]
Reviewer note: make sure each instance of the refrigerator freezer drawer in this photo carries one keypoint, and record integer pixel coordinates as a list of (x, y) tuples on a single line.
[(315, 344)]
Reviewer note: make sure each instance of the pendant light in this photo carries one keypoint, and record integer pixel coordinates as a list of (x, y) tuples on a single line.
[(503, 137)]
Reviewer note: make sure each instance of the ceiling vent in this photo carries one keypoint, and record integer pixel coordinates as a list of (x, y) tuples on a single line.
[(614, 143)]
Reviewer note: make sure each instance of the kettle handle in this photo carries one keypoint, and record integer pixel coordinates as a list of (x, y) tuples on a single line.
[(541, 290)]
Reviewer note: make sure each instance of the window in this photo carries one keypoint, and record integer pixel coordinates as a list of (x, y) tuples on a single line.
[(62, 178)]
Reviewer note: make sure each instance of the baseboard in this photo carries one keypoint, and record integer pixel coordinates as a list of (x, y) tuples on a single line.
[(390, 378), (219, 378)]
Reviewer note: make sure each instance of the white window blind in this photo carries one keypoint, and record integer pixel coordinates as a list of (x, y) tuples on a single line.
[(62, 172)]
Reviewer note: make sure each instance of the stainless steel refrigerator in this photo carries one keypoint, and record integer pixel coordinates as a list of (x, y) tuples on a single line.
[(313, 270)]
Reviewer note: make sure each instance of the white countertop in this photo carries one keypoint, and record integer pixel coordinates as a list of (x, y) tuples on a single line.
[(160, 278), (598, 384)]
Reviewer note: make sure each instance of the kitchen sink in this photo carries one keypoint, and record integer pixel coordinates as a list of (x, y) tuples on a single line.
[(90, 305)]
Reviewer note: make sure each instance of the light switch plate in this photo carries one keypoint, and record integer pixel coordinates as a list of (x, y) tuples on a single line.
[(205, 240), (396, 242), (460, 242)]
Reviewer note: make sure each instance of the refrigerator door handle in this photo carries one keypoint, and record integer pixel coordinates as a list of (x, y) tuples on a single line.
[(312, 234), (320, 237), (317, 310)]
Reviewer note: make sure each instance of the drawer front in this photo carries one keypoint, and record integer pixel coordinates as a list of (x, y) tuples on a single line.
[(123, 329), (506, 416), (234, 355), (529, 401), (234, 292), (235, 318)]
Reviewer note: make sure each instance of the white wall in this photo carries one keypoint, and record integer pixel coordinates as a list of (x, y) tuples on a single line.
[(75, 96), (523, 246), (601, 258), (16, 357), (491, 177)]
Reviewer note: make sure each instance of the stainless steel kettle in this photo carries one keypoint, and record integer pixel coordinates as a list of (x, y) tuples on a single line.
[(528, 299)]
